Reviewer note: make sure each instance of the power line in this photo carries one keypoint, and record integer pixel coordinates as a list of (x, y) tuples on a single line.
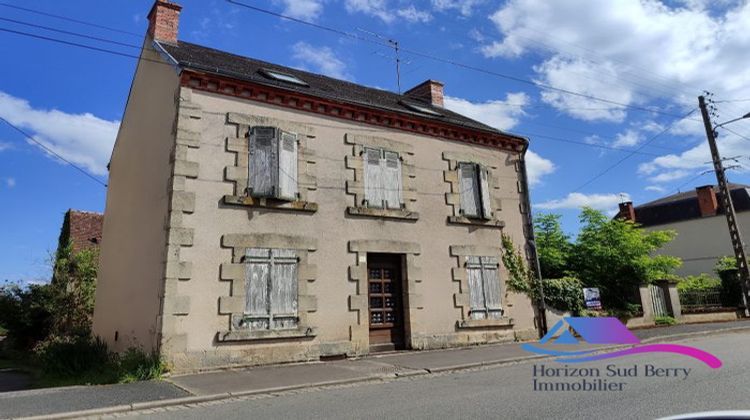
[(583, 143), (48, 28), (631, 154), (452, 62), (737, 134), (69, 19), (52, 152), (88, 47)]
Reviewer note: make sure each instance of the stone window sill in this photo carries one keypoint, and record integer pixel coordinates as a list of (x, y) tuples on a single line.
[(461, 220), (270, 204), (384, 213), (485, 323), (247, 335)]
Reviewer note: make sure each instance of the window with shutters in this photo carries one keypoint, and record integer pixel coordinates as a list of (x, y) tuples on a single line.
[(272, 164), (484, 287), (474, 191), (270, 289), (383, 182)]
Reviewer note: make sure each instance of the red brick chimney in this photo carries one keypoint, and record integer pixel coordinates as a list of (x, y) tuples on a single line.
[(163, 20), (627, 211), (430, 91), (707, 201)]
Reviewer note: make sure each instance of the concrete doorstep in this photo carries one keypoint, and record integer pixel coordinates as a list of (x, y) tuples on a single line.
[(235, 383)]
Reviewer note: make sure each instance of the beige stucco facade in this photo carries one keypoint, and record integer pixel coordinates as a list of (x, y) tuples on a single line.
[(177, 226), (701, 242)]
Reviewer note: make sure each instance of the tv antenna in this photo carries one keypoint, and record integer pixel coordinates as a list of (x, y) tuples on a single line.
[(393, 43)]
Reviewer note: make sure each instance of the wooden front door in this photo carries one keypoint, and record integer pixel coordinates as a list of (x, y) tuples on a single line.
[(385, 301)]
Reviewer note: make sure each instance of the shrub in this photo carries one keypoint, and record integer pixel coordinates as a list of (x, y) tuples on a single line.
[(26, 313), (565, 294), (731, 288), (73, 357), (136, 365), (665, 320), (698, 283)]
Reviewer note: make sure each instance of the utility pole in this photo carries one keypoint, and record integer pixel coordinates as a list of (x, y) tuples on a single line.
[(726, 201)]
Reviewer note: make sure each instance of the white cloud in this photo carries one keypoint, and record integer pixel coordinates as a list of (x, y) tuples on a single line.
[(465, 7), (670, 176), (411, 14), (629, 138), (606, 202), (537, 167), (504, 115), (83, 139), (376, 8), (320, 59), (10, 182), (697, 158), (501, 114), (303, 9), (4, 146), (581, 76), (636, 50), (655, 188)]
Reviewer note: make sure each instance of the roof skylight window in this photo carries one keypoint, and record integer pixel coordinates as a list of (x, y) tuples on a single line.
[(421, 109), (283, 77)]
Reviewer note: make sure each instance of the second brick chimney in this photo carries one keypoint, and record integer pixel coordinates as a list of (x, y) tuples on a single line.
[(163, 20), (430, 91), (627, 211), (707, 201)]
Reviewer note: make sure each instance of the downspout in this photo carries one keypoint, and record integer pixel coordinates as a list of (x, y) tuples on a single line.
[(530, 241)]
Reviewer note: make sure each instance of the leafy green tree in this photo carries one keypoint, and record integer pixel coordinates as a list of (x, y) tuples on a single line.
[(616, 256), (553, 246)]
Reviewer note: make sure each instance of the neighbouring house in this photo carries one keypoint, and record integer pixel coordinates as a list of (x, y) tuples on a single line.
[(700, 222), (81, 229), (259, 214)]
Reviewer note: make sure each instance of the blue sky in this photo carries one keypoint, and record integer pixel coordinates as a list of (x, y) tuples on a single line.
[(644, 54)]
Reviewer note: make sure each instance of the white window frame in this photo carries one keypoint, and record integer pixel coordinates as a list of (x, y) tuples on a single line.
[(383, 182)]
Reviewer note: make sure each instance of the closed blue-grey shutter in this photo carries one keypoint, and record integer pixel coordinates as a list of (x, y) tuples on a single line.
[(373, 178), (257, 283), (484, 188), (284, 289), (392, 185), (287, 167), (476, 288), (263, 161), (491, 281), (468, 190)]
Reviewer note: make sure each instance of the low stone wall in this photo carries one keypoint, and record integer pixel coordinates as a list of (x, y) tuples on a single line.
[(709, 317)]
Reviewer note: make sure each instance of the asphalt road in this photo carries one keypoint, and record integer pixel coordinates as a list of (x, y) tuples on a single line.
[(506, 392)]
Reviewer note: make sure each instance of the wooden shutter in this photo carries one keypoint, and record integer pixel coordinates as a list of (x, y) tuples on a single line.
[(476, 288), (257, 282), (491, 282), (263, 161), (391, 174), (373, 178), (468, 189), (287, 175), (484, 189), (283, 294)]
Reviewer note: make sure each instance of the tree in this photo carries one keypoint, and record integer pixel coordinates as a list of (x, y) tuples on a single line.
[(553, 246), (616, 256)]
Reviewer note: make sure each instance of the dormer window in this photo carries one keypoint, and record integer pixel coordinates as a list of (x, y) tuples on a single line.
[(422, 109), (283, 77)]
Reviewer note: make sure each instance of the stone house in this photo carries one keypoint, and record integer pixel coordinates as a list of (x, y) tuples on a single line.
[(82, 229), (700, 222), (260, 214)]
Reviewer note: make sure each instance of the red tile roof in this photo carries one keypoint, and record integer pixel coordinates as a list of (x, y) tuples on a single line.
[(84, 229)]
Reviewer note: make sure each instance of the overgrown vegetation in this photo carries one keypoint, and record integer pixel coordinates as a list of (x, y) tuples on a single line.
[(664, 320), (49, 329), (611, 254), (565, 294), (698, 283), (731, 286)]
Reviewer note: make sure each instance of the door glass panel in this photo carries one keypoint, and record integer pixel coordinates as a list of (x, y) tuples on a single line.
[(389, 317), (376, 302), (376, 287), (376, 317)]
